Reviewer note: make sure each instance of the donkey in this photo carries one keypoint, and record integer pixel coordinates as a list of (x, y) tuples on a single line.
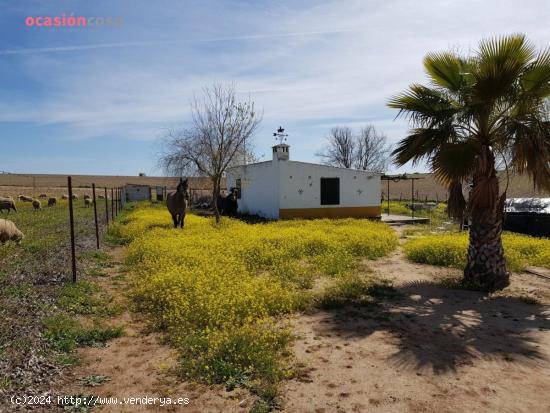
[(177, 203)]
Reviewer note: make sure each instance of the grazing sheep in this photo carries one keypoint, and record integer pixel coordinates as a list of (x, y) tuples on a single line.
[(36, 204), (9, 232), (101, 196), (24, 198), (42, 196), (87, 196), (88, 202), (7, 203), (75, 196), (64, 196), (52, 202)]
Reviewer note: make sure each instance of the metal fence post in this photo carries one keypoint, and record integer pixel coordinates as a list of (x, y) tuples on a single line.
[(71, 222), (106, 207), (95, 217), (112, 204)]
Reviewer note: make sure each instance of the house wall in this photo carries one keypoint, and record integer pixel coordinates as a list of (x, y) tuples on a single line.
[(300, 191), (259, 189)]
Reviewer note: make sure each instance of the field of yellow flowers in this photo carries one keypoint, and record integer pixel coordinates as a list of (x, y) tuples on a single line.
[(219, 291), (450, 250)]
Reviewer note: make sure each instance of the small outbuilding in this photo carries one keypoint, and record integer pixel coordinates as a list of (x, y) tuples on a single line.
[(529, 216), (135, 192), (281, 188)]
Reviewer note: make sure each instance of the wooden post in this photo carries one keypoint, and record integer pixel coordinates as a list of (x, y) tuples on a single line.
[(388, 197), (412, 198), (113, 204), (95, 217), (71, 223), (106, 207)]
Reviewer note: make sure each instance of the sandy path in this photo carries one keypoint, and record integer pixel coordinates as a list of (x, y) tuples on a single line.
[(435, 350)]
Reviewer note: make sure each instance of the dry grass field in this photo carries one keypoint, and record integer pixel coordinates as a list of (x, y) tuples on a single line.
[(34, 184), (428, 187), (56, 185)]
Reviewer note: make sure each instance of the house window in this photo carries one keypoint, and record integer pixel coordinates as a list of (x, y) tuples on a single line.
[(330, 191), (238, 187)]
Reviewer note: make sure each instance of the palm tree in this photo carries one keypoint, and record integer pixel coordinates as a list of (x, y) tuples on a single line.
[(479, 110)]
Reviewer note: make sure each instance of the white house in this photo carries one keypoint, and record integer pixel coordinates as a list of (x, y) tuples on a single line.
[(282, 188)]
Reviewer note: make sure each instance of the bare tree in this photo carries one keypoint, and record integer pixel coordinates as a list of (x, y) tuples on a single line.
[(341, 147), (220, 131), (367, 151), (372, 152)]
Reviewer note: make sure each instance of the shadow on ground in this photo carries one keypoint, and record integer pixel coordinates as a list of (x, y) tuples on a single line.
[(441, 329)]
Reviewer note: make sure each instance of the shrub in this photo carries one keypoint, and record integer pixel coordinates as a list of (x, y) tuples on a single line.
[(450, 250)]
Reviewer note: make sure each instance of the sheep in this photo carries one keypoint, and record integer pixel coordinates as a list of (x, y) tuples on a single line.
[(52, 201), (42, 196), (64, 196), (24, 198), (75, 196), (36, 204), (88, 202), (7, 203), (9, 232), (87, 196), (101, 196)]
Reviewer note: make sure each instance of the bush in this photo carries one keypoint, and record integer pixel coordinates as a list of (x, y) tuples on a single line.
[(450, 250), (218, 289)]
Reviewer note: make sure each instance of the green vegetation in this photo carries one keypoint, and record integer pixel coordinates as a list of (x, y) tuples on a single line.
[(39, 308), (219, 291), (450, 250)]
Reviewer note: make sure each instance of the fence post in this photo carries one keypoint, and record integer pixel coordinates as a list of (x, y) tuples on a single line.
[(412, 198), (106, 206), (112, 204), (95, 217), (71, 222), (388, 197)]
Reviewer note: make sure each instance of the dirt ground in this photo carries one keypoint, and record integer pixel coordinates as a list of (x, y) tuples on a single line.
[(432, 350)]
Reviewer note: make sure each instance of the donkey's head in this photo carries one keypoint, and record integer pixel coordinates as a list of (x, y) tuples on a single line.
[(183, 188)]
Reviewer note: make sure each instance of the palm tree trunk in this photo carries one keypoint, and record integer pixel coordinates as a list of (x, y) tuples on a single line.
[(486, 267)]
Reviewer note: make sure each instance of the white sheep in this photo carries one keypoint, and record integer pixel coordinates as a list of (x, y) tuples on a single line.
[(9, 232), (7, 203), (88, 202), (24, 198)]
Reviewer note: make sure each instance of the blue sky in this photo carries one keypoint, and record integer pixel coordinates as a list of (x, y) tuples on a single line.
[(97, 99)]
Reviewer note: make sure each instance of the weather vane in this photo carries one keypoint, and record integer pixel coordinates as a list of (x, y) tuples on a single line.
[(280, 135)]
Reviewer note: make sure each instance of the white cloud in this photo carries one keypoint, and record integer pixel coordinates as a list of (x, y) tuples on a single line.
[(303, 66)]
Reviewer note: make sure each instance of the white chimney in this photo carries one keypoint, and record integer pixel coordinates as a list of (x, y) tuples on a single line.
[(280, 152)]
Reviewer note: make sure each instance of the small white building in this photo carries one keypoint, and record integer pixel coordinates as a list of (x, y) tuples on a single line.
[(282, 188), (134, 192)]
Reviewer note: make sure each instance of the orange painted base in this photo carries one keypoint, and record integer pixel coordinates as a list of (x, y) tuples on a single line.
[(336, 212)]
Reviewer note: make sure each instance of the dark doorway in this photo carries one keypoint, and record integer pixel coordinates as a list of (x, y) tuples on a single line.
[(330, 191)]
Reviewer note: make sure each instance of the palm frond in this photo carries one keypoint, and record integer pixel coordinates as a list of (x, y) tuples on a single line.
[(500, 63), (423, 105), (456, 204), (535, 81), (455, 161), (422, 142), (445, 70), (531, 150)]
